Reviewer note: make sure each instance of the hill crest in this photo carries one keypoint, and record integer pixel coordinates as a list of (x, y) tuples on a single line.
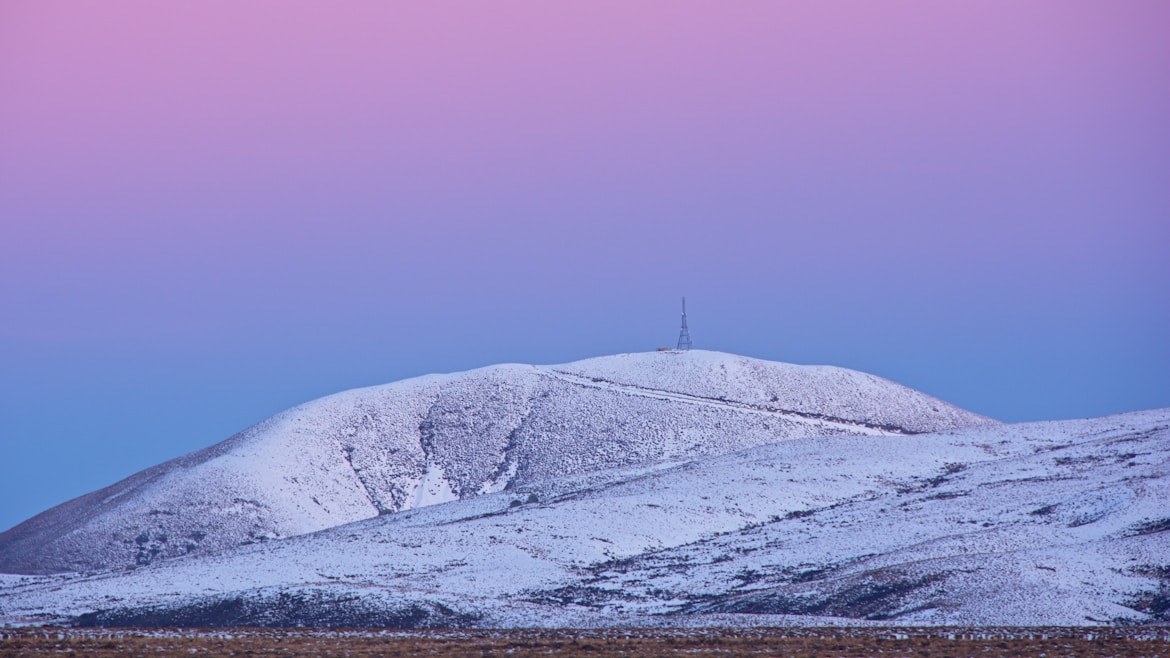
[(438, 438)]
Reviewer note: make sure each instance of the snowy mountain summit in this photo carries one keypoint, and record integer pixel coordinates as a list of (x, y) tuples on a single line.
[(663, 489), (439, 438)]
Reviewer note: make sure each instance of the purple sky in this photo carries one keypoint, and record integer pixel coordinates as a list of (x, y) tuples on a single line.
[(212, 211)]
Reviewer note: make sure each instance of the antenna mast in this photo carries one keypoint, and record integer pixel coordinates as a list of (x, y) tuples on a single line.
[(684, 335)]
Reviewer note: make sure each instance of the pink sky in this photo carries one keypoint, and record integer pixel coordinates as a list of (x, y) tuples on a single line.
[(970, 198)]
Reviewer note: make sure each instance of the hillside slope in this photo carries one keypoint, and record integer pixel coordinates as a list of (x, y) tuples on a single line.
[(384, 449), (1058, 523)]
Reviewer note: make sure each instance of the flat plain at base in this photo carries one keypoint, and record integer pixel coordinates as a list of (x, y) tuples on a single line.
[(1151, 641)]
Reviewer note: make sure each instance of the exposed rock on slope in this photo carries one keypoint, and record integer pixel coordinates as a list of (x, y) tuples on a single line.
[(434, 439)]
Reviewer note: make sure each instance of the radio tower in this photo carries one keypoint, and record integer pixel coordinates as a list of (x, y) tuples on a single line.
[(684, 335)]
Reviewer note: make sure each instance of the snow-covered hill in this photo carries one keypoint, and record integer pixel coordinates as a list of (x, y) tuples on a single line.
[(1044, 523), (385, 449)]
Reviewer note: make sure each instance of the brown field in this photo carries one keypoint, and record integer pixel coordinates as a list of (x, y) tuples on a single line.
[(819, 642)]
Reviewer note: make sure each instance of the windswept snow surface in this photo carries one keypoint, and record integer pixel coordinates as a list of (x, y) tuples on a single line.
[(440, 438), (1056, 523)]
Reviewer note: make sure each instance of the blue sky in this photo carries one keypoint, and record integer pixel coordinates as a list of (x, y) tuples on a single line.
[(211, 215)]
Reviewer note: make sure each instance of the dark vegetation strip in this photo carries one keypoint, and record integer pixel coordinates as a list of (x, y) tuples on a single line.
[(823, 642)]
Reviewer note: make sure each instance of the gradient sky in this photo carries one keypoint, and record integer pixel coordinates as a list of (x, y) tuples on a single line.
[(212, 211)]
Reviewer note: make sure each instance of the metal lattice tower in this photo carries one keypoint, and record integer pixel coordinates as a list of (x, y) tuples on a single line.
[(684, 334)]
